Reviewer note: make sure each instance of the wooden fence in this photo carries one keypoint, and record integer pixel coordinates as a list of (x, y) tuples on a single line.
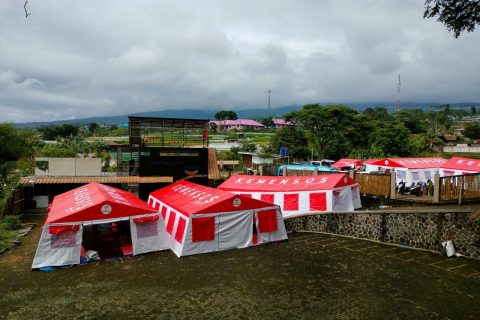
[(374, 184), (461, 187), (15, 204)]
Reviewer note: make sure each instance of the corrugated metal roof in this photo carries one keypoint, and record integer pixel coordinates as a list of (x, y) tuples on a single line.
[(61, 180)]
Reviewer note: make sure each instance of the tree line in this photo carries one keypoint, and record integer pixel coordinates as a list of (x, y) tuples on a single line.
[(338, 131)]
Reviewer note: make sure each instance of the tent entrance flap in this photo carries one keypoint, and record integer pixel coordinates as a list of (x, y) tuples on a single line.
[(110, 240), (234, 230)]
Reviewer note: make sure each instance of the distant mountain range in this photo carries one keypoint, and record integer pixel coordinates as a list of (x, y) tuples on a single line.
[(256, 113)]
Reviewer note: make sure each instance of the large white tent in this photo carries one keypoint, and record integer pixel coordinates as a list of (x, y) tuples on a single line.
[(200, 219), (298, 195), (409, 170), (95, 204), (459, 166)]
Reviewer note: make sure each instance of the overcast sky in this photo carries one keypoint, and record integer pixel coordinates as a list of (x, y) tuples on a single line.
[(75, 59)]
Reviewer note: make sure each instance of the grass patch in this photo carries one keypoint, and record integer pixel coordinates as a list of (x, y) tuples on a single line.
[(7, 233)]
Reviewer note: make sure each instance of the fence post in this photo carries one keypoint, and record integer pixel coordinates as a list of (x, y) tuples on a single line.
[(351, 173), (436, 188), (393, 185), (461, 178), (284, 169), (315, 171), (260, 169)]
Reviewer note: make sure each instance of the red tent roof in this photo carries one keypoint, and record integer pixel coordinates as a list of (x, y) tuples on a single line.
[(458, 163), (191, 198), (410, 163), (95, 201), (285, 184), (352, 163)]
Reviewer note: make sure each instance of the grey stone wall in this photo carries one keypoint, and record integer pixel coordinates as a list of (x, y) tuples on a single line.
[(417, 228)]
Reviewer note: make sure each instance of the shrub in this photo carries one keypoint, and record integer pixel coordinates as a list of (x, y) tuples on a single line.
[(12, 222)]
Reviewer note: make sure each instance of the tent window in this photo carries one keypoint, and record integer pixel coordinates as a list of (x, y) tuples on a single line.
[(66, 239), (415, 176), (180, 230), (401, 174), (164, 212), (318, 201), (147, 229), (171, 221), (203, 229), (60, 229), (267, 221), (270, 198), (290, 202), (427, 174)]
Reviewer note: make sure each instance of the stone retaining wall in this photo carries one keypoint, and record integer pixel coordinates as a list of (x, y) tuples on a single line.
[(418, 228)]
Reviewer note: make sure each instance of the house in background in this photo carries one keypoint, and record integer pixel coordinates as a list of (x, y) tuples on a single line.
[(239, 124), (252, 158), (280, 123)]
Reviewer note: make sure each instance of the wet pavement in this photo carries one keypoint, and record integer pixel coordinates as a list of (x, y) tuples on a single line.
[(311, 276)]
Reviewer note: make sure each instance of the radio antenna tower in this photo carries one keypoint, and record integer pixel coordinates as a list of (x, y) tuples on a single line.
[(397, 106), (269, 91)]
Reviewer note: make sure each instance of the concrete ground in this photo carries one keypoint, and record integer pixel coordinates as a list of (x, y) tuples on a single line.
[(311, 276)]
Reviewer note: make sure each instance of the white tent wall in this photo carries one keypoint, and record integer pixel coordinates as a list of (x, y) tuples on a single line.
[(370, 168), (357, 203), (414, 176), (58, 250), (234, 230), (148, 236), (342, 199), (453, 172), (173, 244), (349, 201), (191, 247)]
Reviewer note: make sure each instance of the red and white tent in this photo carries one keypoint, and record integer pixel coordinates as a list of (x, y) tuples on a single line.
[(61, 240), (458, 166), (200, 219), (350, 163), (368, 165), (410, 170), (298, 195)]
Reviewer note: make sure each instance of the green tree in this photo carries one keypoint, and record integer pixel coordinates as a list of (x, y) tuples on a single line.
[(61, 131), (12, 148), (69, 147), (291, 138), (414, 119), (226, 115), (327, 127), (377, 113), (268, 122), (472, 131), (391, 140), (456, 15), (473, 110)]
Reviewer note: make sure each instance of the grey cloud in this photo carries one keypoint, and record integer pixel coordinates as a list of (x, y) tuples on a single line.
[(115, 57)]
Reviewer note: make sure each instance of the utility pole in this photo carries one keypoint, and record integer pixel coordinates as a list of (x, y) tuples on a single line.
[(269, 91), (397, 107)]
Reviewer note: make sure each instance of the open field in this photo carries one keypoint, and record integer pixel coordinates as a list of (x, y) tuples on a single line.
[(310, 276)]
